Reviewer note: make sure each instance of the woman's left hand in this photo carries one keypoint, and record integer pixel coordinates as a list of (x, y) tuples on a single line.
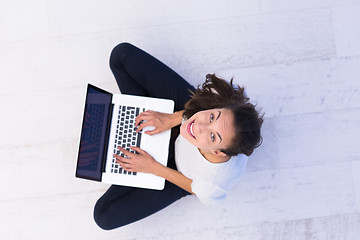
[(160, 121), (136, 162)]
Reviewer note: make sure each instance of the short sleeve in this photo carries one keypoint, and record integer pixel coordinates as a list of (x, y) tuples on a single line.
[(213, 188), (207, 193)]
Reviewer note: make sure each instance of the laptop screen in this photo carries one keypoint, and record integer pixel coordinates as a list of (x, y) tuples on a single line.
[(93, 134)]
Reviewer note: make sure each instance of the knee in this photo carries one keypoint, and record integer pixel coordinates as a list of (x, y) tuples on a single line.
[(124, 46), (101, 218), (121, 49)]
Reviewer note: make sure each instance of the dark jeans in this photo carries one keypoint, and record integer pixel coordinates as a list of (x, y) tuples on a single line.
[(138, 73)]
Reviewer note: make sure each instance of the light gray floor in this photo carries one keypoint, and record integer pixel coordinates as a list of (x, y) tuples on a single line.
[(299, 60)]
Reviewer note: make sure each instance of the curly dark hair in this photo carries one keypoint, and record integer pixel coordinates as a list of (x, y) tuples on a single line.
[(218, 93)]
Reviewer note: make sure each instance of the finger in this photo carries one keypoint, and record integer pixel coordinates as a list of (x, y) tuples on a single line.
[(144, 116), (142, 120), (122, 160), (126, 152), (125, 166), (119, 158), (139, 119), (144, 124), (152, 132), (139, 150), (149, 111), (144, 112)]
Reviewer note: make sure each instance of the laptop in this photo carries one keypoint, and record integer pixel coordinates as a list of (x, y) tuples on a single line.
[(109, 122)]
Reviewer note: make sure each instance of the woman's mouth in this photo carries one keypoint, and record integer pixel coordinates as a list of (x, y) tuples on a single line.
[(190, 129)]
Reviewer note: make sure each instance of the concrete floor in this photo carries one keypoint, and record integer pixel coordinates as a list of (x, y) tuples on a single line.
[(299, 61)]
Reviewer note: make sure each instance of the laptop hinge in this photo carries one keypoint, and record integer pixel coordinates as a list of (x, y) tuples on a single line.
[(108, 126)]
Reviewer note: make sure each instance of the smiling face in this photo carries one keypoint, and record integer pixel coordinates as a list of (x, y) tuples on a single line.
[(210, 130)]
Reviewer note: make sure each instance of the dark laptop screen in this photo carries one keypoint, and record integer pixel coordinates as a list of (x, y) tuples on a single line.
[(93, 134)]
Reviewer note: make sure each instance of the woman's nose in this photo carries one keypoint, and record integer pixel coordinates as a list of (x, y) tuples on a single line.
[(202, 127)]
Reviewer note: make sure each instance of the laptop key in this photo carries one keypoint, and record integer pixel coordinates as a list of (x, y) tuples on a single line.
[(126, 136)]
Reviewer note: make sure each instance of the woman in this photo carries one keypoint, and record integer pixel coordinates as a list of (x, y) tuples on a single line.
[(213, 130)]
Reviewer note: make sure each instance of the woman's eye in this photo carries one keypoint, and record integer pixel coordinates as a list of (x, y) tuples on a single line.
[(212, 136), (211, 117)]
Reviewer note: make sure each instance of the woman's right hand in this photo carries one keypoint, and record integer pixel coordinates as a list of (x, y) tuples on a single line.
[(161, 121)]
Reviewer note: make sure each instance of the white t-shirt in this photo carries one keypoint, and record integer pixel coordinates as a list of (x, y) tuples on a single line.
[(210, 181)]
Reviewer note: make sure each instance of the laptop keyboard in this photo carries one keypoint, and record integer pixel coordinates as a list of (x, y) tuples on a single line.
[(125, 135)]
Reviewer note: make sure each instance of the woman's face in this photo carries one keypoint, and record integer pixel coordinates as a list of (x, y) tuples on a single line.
[(210, 130)]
